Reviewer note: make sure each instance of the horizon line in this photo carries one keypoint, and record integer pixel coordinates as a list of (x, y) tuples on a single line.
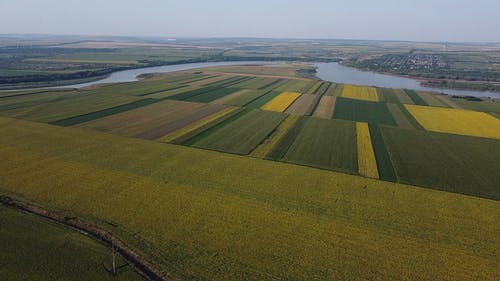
[(243, 37)]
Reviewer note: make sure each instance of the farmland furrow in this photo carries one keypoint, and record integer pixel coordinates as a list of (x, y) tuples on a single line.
[(133, 256)]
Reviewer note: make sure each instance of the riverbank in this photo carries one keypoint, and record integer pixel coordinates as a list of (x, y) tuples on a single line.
[(338, 73), (52, 84), (329, 71), (462, 85), (484, 86)]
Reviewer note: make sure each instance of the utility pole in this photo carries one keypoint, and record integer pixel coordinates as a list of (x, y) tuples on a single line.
[(113, 250)]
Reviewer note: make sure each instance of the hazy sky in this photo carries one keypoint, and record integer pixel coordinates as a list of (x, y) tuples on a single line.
[(417, 20)]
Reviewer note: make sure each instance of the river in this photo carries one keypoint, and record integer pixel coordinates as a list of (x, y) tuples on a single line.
[(131, 74), (337, 73), (332, 72)]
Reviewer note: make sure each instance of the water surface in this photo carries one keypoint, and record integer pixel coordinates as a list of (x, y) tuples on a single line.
[(131, 74), (337, 73)]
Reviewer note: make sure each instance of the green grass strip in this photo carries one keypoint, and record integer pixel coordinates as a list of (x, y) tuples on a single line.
[(381, 97), (314, 88), (216, 127), (313, 106), (271, 84), (248, 79), (222, 82), (229, 81), (103, 113), (418, 100), (335, 90), (281, 148), (213, 95), (278, 85), (363, 111), (384, 163), (323, 88), (316, 101), (410, 117), (388, 94), (192, 93)]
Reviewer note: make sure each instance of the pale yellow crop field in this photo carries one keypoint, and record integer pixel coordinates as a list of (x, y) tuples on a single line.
[(360, 93), (367, 163), (281, 102), (456, 121)]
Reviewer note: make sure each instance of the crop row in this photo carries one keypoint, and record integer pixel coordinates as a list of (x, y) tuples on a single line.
[(205, 215)]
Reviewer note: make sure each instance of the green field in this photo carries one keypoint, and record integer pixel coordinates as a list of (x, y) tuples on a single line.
[(172, 165), (415, 97), (212, 95), (389, 95), (384, 162), (243, 134), (34, 248), (283, 145), (401, 116), (245, 98), (475, 173), (325, 144), (206, 215), (160, 104), (363, 111)]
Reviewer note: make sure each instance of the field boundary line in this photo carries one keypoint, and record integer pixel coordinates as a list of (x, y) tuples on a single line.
[(411, 118), (314, 105), (131, 255), (274, 137), (274, 82)]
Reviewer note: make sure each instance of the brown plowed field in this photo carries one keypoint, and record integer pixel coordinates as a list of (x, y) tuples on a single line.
[(325, 107)]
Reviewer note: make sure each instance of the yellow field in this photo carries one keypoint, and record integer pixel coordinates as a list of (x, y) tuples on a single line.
[(281, 102), (367, 164), (263, 149), (360, 93), (196, 125), (456, 121), (213, 216)]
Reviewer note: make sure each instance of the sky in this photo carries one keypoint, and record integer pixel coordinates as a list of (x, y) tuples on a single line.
[(412, 20)]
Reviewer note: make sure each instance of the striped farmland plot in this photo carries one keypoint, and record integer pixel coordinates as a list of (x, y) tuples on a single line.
[(198, 124), (367, 164)]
